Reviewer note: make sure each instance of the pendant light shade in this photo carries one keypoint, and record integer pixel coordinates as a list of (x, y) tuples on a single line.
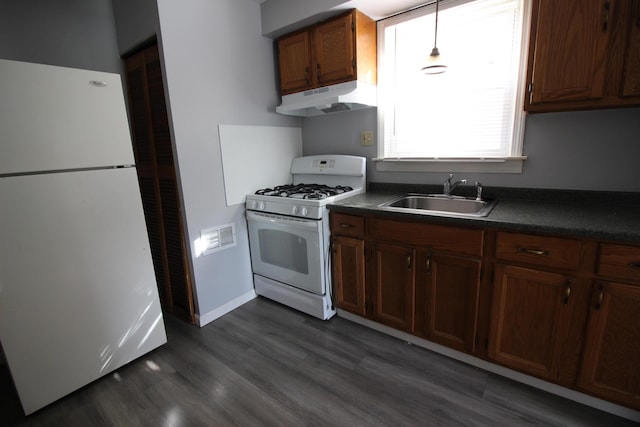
[(435, 63)]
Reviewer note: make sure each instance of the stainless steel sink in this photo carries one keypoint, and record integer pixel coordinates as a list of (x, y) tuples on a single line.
[(440, 204)]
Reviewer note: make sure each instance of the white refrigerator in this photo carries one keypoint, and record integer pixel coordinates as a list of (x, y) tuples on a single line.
[(78, 295)]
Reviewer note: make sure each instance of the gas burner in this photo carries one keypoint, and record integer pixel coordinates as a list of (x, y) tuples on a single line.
[(304, 191)]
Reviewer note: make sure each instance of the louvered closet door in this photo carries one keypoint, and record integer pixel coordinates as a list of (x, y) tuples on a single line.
[(158, 183)]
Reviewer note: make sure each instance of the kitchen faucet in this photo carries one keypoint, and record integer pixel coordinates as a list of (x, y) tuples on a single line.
[(478, 191), (449, 187)]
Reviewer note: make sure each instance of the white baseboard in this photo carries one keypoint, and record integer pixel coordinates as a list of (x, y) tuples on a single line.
[(203, 319), (576, 396)]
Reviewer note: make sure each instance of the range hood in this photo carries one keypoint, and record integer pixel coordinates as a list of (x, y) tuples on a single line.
[(348, 96)]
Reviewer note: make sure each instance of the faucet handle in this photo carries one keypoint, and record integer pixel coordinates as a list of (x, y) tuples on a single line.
[(478, 190), (447, 185)]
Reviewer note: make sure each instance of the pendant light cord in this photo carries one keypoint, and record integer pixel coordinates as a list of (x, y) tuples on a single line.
[(435, 38)]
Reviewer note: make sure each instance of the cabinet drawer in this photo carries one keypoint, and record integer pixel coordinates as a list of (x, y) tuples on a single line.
[(347, 225), (438, 237), (539, 250), (619, 261)]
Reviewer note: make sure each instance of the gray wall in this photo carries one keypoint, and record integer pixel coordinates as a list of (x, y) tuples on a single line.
[(585, 150), (68, 33), (219, 70), (136, 22)]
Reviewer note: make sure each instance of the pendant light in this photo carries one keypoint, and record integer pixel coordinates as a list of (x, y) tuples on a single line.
[(435, 65)]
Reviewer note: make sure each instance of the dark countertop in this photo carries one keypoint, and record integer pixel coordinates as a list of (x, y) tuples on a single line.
[(597, 215)]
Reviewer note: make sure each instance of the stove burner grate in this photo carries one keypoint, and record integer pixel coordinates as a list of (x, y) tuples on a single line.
[(304, 191)]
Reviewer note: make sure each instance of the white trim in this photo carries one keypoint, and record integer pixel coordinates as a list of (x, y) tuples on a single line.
[(209, 317), (576, 396), (486, 165)]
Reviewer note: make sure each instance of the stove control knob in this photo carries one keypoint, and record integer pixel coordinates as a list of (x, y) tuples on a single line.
[(294, 210), (304, 212), (261, 206)]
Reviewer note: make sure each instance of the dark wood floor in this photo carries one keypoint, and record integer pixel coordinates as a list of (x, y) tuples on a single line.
[(265, 364)]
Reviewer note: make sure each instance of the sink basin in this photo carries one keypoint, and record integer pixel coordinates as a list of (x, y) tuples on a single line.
[(440, 204)]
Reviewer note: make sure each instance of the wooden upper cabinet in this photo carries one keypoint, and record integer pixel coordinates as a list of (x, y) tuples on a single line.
[(569, 50), (337, 50), (631, 81), (583, 55), (295, 61)]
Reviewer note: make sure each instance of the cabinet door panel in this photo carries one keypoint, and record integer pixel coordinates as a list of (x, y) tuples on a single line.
[(447, 301), (526, 320), (348, 274), (612, 353), (335, 51), (631, 83), (295, 62), (570, 47), (394, 284)]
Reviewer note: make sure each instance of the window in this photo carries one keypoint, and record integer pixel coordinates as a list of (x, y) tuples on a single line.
[(472, 114)]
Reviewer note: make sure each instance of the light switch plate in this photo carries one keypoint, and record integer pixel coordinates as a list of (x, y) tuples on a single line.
[(366, 138)]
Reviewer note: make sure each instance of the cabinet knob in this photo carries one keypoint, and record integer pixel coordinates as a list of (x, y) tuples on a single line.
[(605, 21), (600, 297), (567, 292)]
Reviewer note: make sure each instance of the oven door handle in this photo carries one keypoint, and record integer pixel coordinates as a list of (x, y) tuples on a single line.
[(305, 224)]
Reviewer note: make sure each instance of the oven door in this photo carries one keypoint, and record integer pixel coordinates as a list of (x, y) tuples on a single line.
[(289, 250)]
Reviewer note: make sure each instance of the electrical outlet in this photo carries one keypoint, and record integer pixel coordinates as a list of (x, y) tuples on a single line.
[(366, 138)]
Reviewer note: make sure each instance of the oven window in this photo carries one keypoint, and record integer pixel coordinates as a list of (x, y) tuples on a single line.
[(284, 249)]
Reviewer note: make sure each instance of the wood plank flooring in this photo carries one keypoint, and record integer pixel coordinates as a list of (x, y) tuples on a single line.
[(267, 365)]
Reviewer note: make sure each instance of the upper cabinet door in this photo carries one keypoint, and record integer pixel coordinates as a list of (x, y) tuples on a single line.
[(631, 83), (295, 62), (570, 39), (335, 50)]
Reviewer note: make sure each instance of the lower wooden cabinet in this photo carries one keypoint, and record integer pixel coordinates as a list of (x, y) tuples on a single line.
[(349, 274), (392, 285), (611, 366), (537, 320), (566, 310), (447, 295)]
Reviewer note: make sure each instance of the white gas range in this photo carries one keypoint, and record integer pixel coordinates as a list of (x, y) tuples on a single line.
[(289, 231)]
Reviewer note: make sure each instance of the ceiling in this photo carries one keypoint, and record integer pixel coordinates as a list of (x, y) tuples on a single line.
[(378, 9)]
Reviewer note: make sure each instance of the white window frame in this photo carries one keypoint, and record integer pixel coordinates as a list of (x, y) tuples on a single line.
[(510, 164)]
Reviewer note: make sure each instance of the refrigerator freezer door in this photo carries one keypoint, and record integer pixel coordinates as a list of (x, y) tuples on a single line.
[(78, 296), (54, 118)]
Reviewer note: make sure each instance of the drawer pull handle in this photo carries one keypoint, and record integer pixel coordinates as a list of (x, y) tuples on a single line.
[(429, 263), (634, 264), (600, 297), (409, 263), (533, 251), (345, 225)]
